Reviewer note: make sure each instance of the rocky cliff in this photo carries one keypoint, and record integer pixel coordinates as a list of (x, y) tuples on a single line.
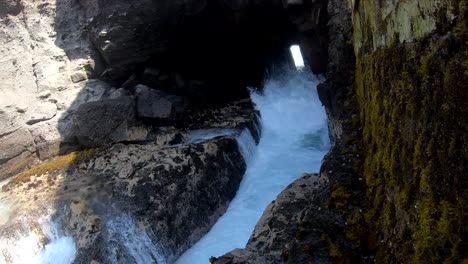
[(411, 75), (57, 55), (392, 188)]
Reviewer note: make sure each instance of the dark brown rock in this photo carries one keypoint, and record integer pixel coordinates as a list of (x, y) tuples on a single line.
[(225, 44)]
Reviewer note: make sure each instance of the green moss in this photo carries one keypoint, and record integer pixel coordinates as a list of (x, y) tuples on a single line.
[(404, 196), (54, 165), (334, 249), (413, 111), (340, 197), (356, 229)]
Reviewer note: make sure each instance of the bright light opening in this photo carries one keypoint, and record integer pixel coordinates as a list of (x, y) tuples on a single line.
[(297, 56)]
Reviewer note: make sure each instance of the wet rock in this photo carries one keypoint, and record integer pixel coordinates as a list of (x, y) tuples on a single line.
[(238, 256), (169, 136), (107, 121), (198, 182), (172, 194), (283, 224), (238, 114), (172, 189)]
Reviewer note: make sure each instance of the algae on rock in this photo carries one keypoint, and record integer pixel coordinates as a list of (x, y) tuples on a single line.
[(414, 114)]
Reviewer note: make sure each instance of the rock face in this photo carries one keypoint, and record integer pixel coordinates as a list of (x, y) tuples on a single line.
[(310, 18), (407, 97), (411, 75), (43, 53), (207, 51), (281, 230), (209, 40), (309, 220), (175, 193), (146, 200), (103, 122), (157, 105)]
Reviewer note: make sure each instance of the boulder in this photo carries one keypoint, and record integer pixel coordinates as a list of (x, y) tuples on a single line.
[(157, 105), (168, 197), (108, 121)]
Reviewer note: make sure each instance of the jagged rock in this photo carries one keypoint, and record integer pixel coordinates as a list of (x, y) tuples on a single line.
[(107, 121), (310, 19), (116, 93), (78, 76), (177, 35), (285, 222), (239, 114), (198, 182), (155, 104), (172, 189), (169, 136), (173, 194), (238, 256)]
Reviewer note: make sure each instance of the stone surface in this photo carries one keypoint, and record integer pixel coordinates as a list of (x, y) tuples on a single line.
[(282, 226), (303, 224), (41, 112), (118, 93), (154, 104), (174, 37), (411, 74), (43, 45), (14, 144), (17, 152), (173, 190), (108, 121), (196, 180)]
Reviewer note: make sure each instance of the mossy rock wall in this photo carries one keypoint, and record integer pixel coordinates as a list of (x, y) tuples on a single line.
[(413, 100)]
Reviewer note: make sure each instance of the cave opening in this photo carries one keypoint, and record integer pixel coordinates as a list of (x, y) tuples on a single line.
[(297, 56)]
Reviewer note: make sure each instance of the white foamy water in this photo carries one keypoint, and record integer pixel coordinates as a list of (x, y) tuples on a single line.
[(25, 245), (294, 140), (125, 237)]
